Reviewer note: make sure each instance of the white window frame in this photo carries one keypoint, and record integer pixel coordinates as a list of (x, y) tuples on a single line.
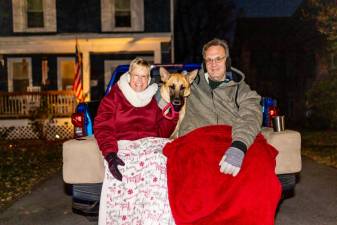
[(59, 75), (35, 11), (108, 16), (20, 17), (10, 62)]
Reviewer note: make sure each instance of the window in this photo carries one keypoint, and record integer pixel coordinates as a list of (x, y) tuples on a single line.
[(65, 73), (19, 74), (122, 15), (34, 15)]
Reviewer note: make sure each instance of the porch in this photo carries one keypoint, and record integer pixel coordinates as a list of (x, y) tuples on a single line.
[(28, 104), (35, 115)]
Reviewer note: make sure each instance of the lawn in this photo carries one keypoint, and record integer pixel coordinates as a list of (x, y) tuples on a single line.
[(24, 164), (320, 146)]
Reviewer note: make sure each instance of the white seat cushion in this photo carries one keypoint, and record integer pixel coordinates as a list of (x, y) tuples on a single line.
[(288, 144), (83, 161)]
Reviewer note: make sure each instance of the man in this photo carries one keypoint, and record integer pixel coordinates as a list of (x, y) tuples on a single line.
[(219, 95)]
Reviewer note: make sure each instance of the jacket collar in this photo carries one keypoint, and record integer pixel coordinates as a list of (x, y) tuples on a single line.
[(233, 77), (137, 99)]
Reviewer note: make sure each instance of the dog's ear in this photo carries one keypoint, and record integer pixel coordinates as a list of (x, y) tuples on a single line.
[(191, 76), (164, 74)]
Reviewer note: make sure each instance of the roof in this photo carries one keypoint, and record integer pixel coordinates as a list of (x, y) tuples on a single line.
[(267, 8)]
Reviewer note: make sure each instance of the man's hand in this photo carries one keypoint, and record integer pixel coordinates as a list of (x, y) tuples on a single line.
[(231, 161), (113, 161)]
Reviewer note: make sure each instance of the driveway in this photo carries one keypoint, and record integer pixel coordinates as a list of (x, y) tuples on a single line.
[(314, 203), (315, 200)]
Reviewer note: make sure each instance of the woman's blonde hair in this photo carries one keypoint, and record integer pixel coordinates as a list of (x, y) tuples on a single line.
[(139, 62)]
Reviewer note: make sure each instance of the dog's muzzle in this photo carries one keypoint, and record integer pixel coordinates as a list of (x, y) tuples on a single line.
[(177, 105)]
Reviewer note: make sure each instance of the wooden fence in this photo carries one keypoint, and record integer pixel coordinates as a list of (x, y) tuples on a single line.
[(25, 104)]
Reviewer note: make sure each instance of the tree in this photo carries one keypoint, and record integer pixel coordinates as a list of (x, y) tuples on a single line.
[(321, 97), (322, 104), (324, 15)]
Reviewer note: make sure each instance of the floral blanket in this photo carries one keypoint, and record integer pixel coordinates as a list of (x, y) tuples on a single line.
[(141, 197)]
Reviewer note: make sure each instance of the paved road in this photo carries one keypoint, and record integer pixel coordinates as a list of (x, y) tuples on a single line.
[(315, 202)]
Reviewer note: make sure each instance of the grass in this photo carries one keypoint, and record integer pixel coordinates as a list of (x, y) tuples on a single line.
[(24, 164), (320, 146)]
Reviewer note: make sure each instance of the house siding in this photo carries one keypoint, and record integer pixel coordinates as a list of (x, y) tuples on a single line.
[(85, 16), (81, 21), (78, 16), (6, 22), (157, 16)]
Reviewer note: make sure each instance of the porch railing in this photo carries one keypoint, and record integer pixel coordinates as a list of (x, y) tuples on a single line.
[(26, 104)]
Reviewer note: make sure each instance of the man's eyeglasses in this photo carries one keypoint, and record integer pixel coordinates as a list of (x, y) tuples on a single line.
[(215, 60)]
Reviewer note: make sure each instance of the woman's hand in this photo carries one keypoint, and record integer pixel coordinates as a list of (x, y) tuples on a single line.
[(113, 161)]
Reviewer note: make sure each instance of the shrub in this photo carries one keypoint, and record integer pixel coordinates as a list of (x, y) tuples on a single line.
[(322, 103)]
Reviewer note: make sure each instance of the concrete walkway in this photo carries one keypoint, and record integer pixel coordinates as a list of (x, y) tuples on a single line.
[(315, 202)]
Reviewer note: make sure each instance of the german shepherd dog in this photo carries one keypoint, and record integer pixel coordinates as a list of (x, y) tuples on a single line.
[(176, 87)]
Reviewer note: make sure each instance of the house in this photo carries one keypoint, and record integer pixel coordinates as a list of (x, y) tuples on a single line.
[(37, 47), (37, 39)]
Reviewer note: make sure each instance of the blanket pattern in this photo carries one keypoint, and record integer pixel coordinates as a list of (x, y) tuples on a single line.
[(141, 197)]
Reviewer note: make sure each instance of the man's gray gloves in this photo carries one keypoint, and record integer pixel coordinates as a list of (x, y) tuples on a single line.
[(113, 161), (231, 161)]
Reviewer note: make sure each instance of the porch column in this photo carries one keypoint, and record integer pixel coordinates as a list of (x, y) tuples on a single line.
[(157, 53), (86, 74)]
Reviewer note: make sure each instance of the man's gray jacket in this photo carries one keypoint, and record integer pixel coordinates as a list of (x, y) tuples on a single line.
[(232, 103)]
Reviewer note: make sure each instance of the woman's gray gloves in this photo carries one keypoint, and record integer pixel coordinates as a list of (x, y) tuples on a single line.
[(113, 161), (231, 161)]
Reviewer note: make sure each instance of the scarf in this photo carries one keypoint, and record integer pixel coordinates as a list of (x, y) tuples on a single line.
[(137, 99)]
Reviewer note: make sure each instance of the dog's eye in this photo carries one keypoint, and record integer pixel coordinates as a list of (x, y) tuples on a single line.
[(182, 88), (172, 87)]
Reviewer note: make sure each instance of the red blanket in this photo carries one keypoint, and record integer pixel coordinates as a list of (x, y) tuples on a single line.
[(199, 194)]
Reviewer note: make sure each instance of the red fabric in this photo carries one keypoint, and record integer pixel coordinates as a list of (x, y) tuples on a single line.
[(199, 194), (117, 120)]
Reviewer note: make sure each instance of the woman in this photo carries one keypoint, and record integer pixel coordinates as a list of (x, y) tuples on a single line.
[(137, 192)]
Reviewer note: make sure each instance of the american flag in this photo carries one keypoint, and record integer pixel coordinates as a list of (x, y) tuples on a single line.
[(77, 85)]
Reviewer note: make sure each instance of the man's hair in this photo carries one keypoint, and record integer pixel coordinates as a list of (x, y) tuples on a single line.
[(215, 42), (139, 62)]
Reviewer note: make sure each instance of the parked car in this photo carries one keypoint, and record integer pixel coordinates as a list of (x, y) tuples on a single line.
[(83, 163)]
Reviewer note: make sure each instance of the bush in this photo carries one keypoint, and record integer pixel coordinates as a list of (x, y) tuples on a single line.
[(322, 103), (39, 116)]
